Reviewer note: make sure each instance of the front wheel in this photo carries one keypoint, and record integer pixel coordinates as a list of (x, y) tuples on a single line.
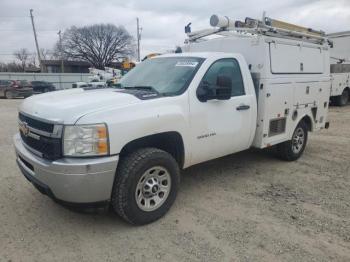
[(9, 95), (291, 150), (146, 185)]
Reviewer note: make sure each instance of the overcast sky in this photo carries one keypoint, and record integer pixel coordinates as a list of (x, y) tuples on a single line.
[(162, 21)]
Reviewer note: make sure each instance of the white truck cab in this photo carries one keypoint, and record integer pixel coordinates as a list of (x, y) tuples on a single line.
[(125, 146)]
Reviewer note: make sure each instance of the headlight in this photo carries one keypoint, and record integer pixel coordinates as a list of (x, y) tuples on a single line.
[(85, 140)]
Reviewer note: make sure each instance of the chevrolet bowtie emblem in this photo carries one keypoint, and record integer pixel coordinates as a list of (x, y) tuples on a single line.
[(24, 128)]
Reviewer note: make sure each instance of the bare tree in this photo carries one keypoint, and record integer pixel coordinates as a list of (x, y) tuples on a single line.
[(32, 60), (58, 54), (98, 44), (46, 54), (22, 55), (10, 67)]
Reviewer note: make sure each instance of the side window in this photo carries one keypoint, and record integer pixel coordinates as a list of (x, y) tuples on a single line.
[(228, 67)]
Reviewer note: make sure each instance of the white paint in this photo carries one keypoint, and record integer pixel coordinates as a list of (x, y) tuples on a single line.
[(340, 81), (340, 50), (283, 92), (214, 128)]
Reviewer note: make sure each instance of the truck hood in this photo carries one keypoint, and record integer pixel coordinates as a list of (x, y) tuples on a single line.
[(68, 106)]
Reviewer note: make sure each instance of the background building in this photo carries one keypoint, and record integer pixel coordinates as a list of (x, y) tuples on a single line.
[(55, 66)]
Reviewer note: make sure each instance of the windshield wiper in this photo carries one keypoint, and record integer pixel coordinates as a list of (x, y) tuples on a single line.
[(147, 88)]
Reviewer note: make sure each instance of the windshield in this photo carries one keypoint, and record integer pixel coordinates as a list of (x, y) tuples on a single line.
[(165, 75)]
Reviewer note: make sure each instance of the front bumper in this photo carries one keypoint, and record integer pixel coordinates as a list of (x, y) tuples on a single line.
[(69, 180)]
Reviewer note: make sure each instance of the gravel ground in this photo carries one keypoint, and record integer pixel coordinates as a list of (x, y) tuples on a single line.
[(244, 207)]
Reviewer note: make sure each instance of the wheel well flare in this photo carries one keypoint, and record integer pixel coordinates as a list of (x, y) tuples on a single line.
[(170, 142)]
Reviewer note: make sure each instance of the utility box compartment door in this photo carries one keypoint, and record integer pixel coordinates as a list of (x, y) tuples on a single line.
[(295, 59), (312, 59), (306, 92), (278, 105)]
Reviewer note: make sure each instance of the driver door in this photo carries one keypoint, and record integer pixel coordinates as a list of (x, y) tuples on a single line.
[(221, 127)]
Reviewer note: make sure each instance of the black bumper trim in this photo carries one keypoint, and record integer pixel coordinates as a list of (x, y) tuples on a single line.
[(44, 189)]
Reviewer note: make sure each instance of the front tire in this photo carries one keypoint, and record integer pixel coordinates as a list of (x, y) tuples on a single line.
[(9, 95), (146, 185), (291, 150)]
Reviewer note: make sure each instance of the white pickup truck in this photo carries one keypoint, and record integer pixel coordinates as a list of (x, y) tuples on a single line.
[(125, 146), (340, 68)]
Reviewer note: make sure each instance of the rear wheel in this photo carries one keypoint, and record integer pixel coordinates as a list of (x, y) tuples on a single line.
[(46, 89), (291, 150), (343, 99), (146, 185)]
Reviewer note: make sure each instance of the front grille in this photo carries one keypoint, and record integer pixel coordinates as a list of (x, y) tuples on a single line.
[(47, 127), (48, 147)]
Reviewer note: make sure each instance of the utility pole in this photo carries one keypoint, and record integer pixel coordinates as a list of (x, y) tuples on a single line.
[(138, 35), (36, 39), (61, 52)]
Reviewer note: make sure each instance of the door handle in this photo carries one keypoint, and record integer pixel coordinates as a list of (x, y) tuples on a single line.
[(242, 107)]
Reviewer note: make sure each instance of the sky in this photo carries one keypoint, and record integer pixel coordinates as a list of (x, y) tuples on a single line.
[(162, 21)]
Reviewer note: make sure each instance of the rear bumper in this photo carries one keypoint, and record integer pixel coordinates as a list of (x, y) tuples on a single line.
[(71, 181)]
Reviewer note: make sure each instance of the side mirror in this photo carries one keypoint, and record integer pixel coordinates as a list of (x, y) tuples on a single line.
[(224, 87), (204, 92), (221, 91)]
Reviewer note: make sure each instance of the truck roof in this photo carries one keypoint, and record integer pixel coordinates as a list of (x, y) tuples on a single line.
[(198, 54)]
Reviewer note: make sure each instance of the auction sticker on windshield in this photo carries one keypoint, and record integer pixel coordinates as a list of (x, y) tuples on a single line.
[(187, 63)]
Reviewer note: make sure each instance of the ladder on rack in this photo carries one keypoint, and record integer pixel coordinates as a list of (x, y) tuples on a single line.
[(267, 26)]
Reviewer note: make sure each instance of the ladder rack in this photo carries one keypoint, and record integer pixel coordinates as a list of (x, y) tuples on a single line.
[(266, 26)]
